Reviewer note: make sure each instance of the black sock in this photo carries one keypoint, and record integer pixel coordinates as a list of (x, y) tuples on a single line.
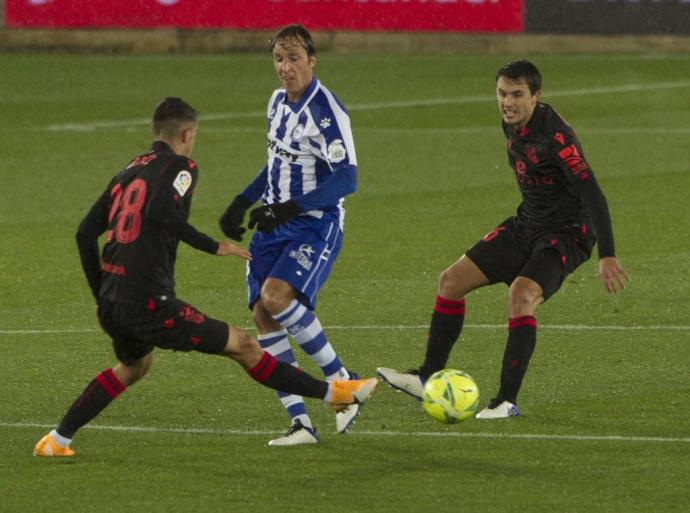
[(96, 396), (282, 376), (522, 337), (446, 325)]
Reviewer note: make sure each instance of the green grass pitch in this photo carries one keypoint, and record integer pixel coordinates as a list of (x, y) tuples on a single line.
[(605, 403)]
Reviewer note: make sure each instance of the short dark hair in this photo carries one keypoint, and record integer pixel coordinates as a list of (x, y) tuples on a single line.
[(298, 32), (170, 114), (521, 71)]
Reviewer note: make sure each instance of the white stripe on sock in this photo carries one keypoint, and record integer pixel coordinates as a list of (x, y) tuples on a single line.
[(309, 333)]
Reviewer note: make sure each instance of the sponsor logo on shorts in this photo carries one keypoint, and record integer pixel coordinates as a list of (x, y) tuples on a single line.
[(303, 256)]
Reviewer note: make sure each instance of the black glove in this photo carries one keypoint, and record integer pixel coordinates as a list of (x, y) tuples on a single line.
[(231, 221), (267, 217)]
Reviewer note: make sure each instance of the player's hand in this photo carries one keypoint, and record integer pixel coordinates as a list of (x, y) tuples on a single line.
[(267, 217), (612, 274), (231, 221), (226, 248)]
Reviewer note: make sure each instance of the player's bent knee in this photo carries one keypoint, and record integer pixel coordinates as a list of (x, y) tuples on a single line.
[(274, 302), (524, 296), (276, 295), (460, 278), (242, 347), (130, 374)]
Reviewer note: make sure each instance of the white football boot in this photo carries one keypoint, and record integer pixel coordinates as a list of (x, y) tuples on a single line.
[(298, 434), (408, 382), (346, 417), (500, 411)]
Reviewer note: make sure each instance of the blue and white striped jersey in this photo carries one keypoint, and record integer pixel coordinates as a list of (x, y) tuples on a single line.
[(311, 153)]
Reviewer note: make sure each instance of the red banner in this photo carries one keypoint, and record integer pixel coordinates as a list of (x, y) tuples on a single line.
[(393, 15)]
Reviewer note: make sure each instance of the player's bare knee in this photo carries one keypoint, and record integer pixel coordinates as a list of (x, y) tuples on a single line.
[(241, 346), (130, 374), (449, 284), (274, 300), (524, 296)]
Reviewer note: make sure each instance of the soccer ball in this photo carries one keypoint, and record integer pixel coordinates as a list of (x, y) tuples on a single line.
[(450, 396)]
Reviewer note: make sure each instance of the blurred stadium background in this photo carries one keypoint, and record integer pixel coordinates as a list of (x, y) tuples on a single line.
[(431, 26)]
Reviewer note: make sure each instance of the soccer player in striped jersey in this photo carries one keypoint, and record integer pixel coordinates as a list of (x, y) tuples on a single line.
[(144, 214), (562, 214), (311, 167)]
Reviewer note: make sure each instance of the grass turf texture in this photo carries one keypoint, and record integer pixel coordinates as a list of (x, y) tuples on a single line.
[(604, 424)]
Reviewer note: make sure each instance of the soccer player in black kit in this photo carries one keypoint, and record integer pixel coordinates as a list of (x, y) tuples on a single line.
[(562, 214), (144, 212)]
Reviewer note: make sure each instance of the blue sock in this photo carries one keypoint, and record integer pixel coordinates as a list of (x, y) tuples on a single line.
[(306, 329), (277, 344)]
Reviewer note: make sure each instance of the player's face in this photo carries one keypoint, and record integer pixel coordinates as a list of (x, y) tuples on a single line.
[(515, 101), (294, 67)]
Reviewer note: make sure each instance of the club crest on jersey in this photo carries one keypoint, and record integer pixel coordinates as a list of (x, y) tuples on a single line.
[(303, 256), (297, 132), (336, 151), (182, 182)]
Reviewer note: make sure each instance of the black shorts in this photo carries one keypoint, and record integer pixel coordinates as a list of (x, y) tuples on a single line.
[(547, 257), (170, 324)]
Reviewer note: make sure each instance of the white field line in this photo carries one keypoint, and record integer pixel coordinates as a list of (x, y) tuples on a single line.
[(403, 327), (422, 102), (381, 434)]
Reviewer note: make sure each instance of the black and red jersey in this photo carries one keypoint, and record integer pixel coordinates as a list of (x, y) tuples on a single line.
[(143, 213), (557, 184)]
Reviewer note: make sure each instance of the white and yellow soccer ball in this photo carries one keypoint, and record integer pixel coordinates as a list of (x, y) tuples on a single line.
[(450, 396)]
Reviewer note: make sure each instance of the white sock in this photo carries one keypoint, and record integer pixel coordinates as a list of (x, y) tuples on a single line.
[(329, 393), (60, 440)]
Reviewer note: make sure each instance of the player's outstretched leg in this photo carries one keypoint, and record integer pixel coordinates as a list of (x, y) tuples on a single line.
[(446, 325), (281, 376), (522, 337), (97, 395), (308, 332), (271, 372)]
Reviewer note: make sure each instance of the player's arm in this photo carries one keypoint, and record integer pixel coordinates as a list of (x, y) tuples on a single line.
[(169, 206), (612, 274), (582, 182), (91, 227), (337, 149), (233, 217), (342, 182)]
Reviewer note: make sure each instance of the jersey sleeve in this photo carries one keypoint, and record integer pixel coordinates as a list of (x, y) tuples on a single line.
[(171, 200), (254, 190), (91, 227), (334, 145), (569, 157)]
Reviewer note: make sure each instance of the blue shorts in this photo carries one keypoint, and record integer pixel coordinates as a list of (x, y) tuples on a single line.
[(301, 252)]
